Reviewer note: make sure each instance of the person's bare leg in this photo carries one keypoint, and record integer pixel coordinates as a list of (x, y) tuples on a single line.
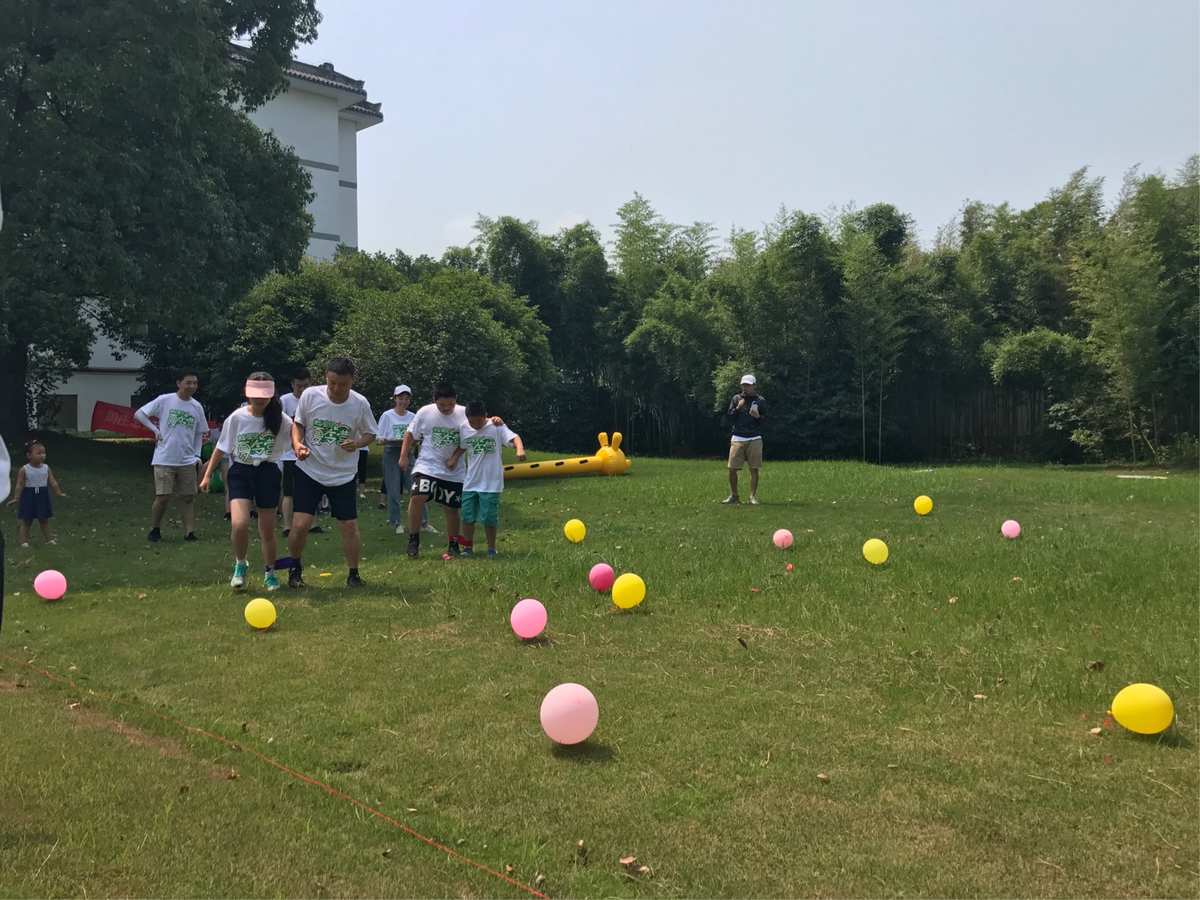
[(23, 531), (159, 509), (416, 506), (733, 482), (298, 536), (286, 509), (469, 532), (47, 534), (188, 505), (754, 482), (351, 542), (239, 529), (453, 523), (490, 531), (266, 536)]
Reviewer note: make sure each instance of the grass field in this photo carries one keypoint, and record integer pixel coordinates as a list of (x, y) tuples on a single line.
[(947, 696)]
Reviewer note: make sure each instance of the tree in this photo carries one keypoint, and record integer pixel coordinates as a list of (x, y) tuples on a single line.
[(453, 326), (872, 327), (137, 196)]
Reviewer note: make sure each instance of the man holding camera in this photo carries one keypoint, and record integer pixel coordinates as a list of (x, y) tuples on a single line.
[(747, 411)]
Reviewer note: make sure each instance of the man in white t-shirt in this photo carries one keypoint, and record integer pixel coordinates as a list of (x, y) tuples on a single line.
[(435, 427), (300, 383), (332, 423), (482, 442), (179, 427)]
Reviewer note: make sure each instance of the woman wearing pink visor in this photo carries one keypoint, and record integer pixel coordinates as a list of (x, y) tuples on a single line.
[(254, 437)]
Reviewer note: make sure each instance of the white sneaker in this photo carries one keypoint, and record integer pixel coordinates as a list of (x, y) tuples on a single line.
[(238, 581), (429, 529), (25, 546), (731, 500), (399, 529), (753, 500)]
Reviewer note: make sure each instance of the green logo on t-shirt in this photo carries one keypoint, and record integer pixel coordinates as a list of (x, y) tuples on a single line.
[(254, 446), (481, 445), (181, 418), (327, 432), (445, 437), (398, 431)]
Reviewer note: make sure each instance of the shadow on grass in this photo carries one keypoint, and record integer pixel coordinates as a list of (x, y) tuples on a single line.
[(588, 753), (1172, 737)]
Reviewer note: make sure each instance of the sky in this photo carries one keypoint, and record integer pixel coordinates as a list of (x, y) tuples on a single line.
[(724, 111)]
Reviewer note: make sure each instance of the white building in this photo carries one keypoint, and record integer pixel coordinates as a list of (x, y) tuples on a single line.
[(319, 116)]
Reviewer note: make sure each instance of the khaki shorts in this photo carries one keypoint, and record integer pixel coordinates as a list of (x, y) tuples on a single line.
[(177, 480), (745, 453)]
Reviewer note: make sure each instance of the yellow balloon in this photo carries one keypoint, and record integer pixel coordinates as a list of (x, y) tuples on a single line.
[(1143, 708), (628, 591), (260, 613), (575, 531), (875, 552), (923, 505)]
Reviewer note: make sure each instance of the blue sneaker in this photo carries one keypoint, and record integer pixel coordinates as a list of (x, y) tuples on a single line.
[(238, 581), (492, 554), (271, 581)]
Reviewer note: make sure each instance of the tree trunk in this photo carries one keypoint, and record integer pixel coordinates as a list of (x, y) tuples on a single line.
[(862, 409), (14, 370), (879, 435)]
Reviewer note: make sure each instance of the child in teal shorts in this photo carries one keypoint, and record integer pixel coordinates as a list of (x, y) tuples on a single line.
[(481, 442)]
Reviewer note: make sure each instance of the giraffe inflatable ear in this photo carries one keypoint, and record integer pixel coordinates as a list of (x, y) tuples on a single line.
[(607, 460)]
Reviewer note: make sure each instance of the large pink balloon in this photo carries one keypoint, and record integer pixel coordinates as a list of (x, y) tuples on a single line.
[(528, 618), (782, 538), (50, 585), (569, 714), (601, 577), (1011, 529)]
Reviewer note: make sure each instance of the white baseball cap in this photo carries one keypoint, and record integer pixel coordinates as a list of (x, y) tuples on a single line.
[(748, 379), (402, 389)]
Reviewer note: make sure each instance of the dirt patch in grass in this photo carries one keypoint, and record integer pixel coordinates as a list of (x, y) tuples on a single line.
[(98, 721)]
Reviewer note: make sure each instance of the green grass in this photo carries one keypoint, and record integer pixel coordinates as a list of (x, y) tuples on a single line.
[(414, 696)]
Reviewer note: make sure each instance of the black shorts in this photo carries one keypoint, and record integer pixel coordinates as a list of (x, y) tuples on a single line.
[(258, 484), (362, 466), (447, 493), (343, 498), (289, 477)]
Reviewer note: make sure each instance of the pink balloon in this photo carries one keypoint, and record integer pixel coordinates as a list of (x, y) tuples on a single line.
[(50, 585), (782, 538), (528, 618), (1011, 529), (569, 714), (601, 577)]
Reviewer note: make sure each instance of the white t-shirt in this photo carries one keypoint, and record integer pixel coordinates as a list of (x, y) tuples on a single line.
[(289, 401), (181, 427), (5, 466), (485, 469), (438, 436), (36, 476), (392, 425), (245, 439), (326, 424)]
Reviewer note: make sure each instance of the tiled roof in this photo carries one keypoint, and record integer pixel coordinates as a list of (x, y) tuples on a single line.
[(324, 74)]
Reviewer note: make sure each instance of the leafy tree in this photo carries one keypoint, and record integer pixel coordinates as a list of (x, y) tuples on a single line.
[(137, 196)]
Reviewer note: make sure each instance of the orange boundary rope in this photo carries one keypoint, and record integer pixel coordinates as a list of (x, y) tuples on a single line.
[(299, 776)]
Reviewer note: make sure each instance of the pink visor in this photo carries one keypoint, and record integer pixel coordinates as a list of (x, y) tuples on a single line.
[(260, 389)]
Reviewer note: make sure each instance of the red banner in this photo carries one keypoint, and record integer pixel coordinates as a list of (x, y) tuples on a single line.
[(118, 419)]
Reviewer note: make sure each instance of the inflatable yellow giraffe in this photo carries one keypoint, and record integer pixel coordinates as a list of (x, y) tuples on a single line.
[(608, 460)]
